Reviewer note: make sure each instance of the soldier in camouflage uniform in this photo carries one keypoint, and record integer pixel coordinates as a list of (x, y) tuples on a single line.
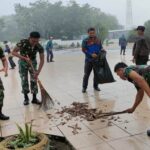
[(139, 76), (28, 49), (5, 65)]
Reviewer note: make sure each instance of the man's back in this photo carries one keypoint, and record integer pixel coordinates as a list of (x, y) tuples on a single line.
[(49, 45), (141, 47), (122, 41)]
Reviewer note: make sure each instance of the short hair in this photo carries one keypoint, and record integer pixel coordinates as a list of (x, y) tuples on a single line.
[(119, 66), (35, 34), (91, 29), (141, 28)]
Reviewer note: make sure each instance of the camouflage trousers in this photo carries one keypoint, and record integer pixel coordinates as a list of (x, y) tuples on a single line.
[(24, 70), (1, 93)]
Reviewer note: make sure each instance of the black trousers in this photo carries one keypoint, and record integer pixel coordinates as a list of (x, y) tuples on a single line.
[(12, 63), (141, 60), (123, 50), (87, 71)]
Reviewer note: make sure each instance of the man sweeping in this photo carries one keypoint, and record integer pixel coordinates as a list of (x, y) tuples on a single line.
[(137, 75), (140, 77), (26, 50), (5, 65)]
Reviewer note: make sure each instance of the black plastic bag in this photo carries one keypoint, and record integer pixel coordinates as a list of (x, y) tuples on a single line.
[(102, 69)]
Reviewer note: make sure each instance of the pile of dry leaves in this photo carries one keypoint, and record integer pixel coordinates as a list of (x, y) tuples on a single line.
[(82, 110)]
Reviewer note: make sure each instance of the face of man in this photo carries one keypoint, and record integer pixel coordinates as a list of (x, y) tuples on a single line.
[(120, 73), (51, 38), (92, 34), (140, 32), (34, 41)]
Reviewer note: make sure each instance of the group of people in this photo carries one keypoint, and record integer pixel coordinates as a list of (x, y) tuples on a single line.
[(27, 49), (139, 74)]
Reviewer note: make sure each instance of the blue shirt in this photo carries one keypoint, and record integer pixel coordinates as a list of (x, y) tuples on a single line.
[(91, 46), (49, 45)]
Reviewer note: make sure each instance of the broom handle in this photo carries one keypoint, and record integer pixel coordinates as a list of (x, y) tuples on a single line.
[(30, 63), (113, 113)]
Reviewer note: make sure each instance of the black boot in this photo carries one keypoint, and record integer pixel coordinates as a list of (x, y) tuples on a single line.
[(97, 88), (35, 100), (84, 90), (148, 132), (2, 116), (26, 99)]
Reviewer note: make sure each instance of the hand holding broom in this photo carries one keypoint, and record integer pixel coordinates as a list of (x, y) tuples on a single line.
[(47, 102)]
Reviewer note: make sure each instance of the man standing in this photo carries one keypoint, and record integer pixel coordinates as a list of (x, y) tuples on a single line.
[(49, 50), (5, 69), (141, 48), (122, 44), (10, 58), (91, 47), (26, 51)]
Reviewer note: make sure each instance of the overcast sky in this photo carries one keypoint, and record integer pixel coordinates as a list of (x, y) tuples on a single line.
[(141, 8)]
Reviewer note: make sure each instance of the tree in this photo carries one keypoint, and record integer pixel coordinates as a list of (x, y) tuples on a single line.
[(147, 26), (58, 20), (2, 25), (102, 32)]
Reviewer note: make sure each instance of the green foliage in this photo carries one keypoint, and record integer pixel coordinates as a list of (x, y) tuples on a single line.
[(69, 21), (147, 26), (25, 138), (132, 36), (102, 32)]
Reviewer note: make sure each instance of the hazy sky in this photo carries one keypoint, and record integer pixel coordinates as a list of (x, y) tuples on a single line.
[(141, 8)]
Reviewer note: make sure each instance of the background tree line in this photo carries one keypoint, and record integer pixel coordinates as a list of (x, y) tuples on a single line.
[(61, 21)]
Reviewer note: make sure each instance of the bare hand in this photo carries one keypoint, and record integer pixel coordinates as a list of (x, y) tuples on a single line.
[(94, 55), (27, 59), (36, 74), (130, 110)]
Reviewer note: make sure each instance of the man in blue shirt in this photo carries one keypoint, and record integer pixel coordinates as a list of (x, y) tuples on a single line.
[(122, 44), (49, 49), (91, 47)]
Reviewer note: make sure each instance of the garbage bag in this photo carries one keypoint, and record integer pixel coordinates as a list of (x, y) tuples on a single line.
[(102, 69)]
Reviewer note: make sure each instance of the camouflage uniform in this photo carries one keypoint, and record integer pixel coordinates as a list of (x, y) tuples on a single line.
[(27, 50), (1, 83)]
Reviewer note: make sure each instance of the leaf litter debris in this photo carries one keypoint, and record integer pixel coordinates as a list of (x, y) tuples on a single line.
[(82, 111)]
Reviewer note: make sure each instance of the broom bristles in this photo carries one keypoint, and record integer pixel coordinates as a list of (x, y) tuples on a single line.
[(46, 100)]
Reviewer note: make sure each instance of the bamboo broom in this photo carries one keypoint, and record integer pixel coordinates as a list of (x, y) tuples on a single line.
[(46, 100)]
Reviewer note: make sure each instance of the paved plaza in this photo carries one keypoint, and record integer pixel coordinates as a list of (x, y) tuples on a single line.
[(63, 80)]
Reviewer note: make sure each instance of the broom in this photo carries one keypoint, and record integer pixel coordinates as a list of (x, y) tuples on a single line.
[(46, 100), (112, 114)]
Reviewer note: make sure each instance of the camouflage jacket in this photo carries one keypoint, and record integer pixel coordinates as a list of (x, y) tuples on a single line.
[(27, 50)]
